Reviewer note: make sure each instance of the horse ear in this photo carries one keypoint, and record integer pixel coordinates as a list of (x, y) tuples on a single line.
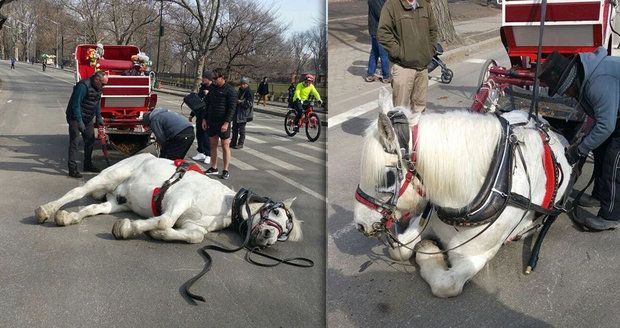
[(289, 202), (385, 100), (386, 133)]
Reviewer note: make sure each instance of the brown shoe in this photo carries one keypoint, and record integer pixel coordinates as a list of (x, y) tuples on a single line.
[(371, 78)]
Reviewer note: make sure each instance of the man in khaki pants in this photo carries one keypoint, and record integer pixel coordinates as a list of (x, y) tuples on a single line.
[(408, 31)]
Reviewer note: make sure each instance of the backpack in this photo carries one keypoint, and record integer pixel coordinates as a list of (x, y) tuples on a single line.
[(195, 103)]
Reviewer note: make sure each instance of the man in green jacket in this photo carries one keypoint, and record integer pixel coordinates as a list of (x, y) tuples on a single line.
[(408, 31)]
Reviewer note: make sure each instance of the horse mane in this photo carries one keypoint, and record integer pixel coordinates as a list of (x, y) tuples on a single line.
[(455, 150), (373, 158), (296, 233)]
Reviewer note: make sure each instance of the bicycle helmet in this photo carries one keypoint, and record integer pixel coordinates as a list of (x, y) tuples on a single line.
[(309, 77)]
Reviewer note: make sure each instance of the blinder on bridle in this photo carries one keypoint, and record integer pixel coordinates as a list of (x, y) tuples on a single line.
[(243, 198), (391, 184)]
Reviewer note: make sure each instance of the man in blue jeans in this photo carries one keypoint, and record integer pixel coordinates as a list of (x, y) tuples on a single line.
[(376, 51)]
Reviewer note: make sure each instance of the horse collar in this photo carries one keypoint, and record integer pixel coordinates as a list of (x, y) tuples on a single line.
[(158, 193)]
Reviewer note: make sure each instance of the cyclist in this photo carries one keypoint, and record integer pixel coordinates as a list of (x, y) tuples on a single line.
[(302, 91)]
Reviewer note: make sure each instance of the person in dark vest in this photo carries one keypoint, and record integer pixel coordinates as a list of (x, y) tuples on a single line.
[(84, 107), (263, 91), (243, 114), (593, 79), (202, 139), (221, 104), (173, 133)]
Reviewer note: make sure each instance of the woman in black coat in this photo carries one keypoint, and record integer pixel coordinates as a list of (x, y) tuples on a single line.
[(243, 114)]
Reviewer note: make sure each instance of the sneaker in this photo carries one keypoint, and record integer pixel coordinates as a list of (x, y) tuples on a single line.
[(207, 160), (225, 175), (91, 168), (75, 174), (371, 78), (199, 157), (589, 201), (591, 221), (386, 81), (212, 171)]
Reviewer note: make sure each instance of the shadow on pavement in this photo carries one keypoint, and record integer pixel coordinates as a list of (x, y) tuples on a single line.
[(355, 126)]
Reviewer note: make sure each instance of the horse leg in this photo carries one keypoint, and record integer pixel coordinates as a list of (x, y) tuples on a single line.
[(408, 239), (188, 232), (125, 228), (444, 281), (64, 218)]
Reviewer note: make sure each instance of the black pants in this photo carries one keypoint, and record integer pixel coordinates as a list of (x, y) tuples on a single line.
[(177, 147), (238, 134), (74, 138), (202, 139), (607, 176), (299, 110)]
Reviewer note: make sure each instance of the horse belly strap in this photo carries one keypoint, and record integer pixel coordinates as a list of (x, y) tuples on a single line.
[(159, 192)]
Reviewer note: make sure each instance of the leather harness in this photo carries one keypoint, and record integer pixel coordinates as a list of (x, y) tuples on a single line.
[(159, 192)]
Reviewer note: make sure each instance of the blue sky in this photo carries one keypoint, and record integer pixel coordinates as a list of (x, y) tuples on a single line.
[(300, 14)]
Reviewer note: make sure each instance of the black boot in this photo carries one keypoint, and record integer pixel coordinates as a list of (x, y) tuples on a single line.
[(589, 201), (89, 167), (74, 173)]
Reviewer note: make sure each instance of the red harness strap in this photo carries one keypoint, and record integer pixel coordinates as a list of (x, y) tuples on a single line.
[(549, 165), (178, 163), (414, 157)]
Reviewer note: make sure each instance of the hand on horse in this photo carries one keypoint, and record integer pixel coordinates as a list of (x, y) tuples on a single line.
[(99, 121), (573, 155)]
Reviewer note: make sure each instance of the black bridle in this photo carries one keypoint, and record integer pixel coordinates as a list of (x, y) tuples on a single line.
[(241, 202)]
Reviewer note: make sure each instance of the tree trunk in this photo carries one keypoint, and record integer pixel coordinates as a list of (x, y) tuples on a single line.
[(199, 67), (447, 33)]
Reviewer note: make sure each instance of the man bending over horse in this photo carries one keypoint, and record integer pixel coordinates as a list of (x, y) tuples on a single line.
[(593, 79), (173, 132)]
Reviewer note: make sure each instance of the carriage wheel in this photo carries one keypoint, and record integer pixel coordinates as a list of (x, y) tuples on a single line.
[(485, 73), (447, 75), (313, 127), (289, 120)]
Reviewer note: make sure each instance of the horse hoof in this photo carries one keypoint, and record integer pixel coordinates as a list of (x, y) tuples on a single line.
[(122, 229), (400, 254), (41, 214), (64, 218)]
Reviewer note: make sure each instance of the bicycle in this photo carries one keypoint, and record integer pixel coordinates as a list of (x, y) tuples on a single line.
[(308, 118)]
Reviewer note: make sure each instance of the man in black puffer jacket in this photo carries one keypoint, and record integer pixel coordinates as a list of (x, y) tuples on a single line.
[(221, 104), (83, 107)]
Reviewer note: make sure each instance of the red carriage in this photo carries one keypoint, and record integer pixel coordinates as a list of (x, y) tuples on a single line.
[(569, 26), (127, 95)]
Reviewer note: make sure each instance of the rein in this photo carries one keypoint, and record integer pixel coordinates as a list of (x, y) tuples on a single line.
[(243, 198)]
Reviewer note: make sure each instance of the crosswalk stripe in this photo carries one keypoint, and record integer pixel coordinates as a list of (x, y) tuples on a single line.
[(309, 146), (262, 127), (255, 140), (300, 155), (272, 160), (281, 138), (297, 185), (236, 162)]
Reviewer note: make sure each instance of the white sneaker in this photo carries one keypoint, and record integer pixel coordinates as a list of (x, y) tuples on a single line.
[(199, 157), (207, 159)]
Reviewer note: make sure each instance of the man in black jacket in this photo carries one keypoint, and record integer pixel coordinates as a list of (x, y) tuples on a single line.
[(221, 104), (84, 107), (202, 139), (243, 114)]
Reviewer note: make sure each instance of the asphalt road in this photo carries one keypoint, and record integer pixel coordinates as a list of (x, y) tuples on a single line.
[(574, 285), (80, 276)]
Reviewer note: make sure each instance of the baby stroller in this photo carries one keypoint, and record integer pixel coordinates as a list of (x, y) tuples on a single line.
[(446, 73)]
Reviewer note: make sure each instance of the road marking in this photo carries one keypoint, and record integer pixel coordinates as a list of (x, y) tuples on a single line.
[(255, 140), (9, 101), (297, 185), (300, 155), (281, 138), (309, 146), (345, 18), (262, 127), (476, 61), (236, 162), (272, 159)]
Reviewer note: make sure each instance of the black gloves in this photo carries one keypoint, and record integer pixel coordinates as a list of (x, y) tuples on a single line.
[(81, 126), (573, 155)]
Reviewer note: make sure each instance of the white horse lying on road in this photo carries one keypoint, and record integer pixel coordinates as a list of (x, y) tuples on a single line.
[(453, 153), (191, 207)]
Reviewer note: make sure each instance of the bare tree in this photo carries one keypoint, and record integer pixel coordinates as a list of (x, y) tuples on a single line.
[(300, 53), (447, 33), (127, 17), (91, 15), (205, 14), (318, 47), (3, 18)]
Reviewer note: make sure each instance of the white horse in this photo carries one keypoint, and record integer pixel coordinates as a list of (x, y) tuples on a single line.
[(454, 151), (190, 208)]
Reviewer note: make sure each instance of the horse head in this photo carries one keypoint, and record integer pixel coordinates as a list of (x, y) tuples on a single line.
[(272, 222), (389, 189)]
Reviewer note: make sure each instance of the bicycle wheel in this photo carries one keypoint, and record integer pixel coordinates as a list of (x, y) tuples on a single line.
[(288, 123), (313, 127)]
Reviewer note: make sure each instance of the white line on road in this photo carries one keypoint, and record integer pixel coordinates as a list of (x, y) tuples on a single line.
[(236, 162), (262, 127), (297, 185), (9, 101), (310, 147), (272, 159), (255, 140), (475, 61), (300, 155)]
